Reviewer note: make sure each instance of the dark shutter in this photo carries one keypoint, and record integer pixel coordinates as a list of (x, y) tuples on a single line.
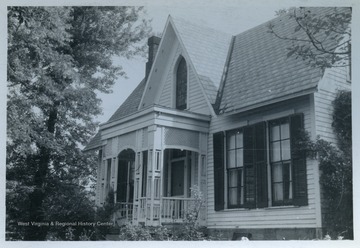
[(249, 167), (218, 146), (298, 158), (261, 165)]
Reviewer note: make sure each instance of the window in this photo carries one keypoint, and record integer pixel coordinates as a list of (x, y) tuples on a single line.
[(235, 166), (246, 152), (181, 86), (281, 172)]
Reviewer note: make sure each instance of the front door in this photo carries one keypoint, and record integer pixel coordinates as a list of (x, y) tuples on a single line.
[(177, 178)]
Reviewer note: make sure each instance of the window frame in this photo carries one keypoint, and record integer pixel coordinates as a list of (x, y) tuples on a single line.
[(240, 185), (283, 164)]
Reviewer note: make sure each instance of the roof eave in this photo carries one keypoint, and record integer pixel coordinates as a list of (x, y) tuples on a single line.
[(272, 101)]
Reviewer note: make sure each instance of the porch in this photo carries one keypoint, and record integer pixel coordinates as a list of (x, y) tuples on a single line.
[(160, 191)]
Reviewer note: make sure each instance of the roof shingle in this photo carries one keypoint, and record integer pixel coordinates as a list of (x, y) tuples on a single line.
[(260, 70)]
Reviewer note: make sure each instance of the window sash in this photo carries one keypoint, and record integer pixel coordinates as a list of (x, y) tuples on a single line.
[(280, 162), (236, 188)]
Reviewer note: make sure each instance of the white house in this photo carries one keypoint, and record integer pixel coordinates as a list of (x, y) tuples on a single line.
[(222, 112)]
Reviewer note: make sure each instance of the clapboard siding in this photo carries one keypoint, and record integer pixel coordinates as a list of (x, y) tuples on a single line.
[(334, 79), (197, 102), (271, 217)]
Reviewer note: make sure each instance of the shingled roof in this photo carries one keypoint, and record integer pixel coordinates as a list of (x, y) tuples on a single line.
[(129, 106), (131, 103), (260, 70)]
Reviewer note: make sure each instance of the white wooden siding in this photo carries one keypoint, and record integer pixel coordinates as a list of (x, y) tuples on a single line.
[(334, 80), (271, 217)]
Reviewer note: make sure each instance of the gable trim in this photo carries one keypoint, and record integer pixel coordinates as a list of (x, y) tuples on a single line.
[(152, 67), (224, 76)]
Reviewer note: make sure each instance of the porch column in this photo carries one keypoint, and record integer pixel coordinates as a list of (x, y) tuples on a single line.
[(154, 178)]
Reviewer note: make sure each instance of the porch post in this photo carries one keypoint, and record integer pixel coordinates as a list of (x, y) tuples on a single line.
[(155, 167)]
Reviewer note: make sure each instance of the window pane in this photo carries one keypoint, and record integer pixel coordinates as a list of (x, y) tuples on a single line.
[(285, 133), (275, 151), (278, 192), (239, 157), (275, 133), (231, 141), (233, 196), (233, 178), (239, 140), (231, 159), (285, 149), (277, 173), (287, 181)]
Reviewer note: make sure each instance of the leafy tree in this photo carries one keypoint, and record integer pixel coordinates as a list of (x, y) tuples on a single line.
[(321, 37), (58, 59)]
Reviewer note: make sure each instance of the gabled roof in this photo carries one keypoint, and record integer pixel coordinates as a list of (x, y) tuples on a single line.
[(207, 48), (260, 71), (257, 68)]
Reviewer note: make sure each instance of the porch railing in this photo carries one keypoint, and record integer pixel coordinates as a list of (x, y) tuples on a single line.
[(124, 212), (174, 209)]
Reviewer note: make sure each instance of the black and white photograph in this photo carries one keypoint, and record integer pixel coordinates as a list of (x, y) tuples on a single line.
[(228, 122)]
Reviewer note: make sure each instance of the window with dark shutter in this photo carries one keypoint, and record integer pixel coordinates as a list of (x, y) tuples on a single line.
[(247, 166), (298, 158), (218, 152)]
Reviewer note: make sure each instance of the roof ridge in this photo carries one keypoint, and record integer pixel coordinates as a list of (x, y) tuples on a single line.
[(198, 25)]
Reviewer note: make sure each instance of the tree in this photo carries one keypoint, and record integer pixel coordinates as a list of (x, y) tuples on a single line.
[(58, 59), (321, 37)]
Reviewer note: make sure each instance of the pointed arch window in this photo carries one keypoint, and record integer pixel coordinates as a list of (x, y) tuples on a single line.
[(181, 85)]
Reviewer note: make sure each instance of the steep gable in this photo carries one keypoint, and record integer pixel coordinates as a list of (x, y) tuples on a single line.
[(205, 51)]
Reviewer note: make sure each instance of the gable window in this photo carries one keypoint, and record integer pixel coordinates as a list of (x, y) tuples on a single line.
[(246, 152), (181, 86)]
